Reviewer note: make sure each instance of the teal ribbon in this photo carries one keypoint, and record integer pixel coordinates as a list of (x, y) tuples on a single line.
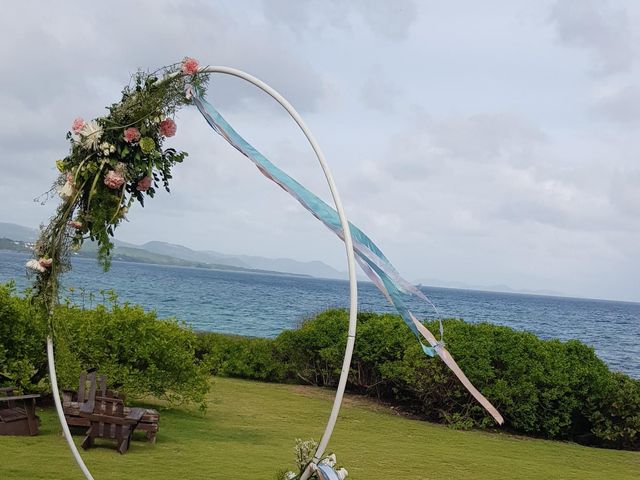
[(373, 262)]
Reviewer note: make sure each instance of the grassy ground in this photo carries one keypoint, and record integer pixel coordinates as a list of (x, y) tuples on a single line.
[(249, 433)]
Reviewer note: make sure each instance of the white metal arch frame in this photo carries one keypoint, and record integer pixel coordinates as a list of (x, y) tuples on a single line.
[(353, 286)]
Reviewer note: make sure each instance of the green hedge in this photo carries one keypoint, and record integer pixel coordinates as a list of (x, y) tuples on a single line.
[(139, 354), (23, 358), (545, 388)]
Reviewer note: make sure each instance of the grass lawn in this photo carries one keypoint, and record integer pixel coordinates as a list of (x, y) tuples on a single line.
[(249, 432)]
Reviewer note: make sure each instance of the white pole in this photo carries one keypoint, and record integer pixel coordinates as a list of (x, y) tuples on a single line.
[(353, 286), (63, 421)]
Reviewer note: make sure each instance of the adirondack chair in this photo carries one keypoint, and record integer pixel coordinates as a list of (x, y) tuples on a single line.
[(17, 413), (108, 420), (89, 385), (73, 400)]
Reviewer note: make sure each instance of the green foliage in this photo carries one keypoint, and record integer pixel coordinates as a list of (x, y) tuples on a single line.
[(313, 353), (616, 413), (544, 388), (23, 360), (140, 354), (241, 357)]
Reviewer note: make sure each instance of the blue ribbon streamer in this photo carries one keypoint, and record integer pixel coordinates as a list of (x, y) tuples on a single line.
[(373, 262), (369, 256)]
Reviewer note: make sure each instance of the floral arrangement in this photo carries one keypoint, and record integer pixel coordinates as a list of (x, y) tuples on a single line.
[(114, 161), (304, 451)]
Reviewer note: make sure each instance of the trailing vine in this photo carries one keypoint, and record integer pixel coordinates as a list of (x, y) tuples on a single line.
[(114, 161)]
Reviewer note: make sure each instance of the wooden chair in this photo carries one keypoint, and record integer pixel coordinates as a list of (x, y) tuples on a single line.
[(17, 413), (72, 400), (91, 385), (108, 420)]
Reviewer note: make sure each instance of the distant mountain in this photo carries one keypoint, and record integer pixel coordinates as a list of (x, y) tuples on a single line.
[(124, 253), (314, 268), (15, 237), (18, 232), (185, 253), (485, 288), (283, 265)]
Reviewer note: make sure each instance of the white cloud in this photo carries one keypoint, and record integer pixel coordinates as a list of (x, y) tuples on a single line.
[(603, 28), (621, 105), (390, 19)]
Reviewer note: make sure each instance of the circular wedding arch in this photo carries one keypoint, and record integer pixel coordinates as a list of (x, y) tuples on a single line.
[(353, 287)]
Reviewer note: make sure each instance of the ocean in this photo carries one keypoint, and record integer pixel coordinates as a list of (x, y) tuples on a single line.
[(263, 305)]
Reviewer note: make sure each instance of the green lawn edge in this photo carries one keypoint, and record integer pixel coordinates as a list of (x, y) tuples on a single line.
[(250, 429)]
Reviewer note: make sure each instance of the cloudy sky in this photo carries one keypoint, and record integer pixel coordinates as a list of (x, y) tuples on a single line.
[(478, 142)]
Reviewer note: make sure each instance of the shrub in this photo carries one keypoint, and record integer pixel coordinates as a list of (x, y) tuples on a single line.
[(139, 354), (241, 357), (541, 387), (23, 359), (545, 388), (616, 413), (313, 353)]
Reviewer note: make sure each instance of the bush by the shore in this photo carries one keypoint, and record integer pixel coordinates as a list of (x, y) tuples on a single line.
[(140, 354), (546, 388)]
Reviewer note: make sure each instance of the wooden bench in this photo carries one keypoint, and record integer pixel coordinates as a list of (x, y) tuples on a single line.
[(72, 401), (17, 413)]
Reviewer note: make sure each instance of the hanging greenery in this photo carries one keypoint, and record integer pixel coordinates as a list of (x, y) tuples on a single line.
[(114, 161)]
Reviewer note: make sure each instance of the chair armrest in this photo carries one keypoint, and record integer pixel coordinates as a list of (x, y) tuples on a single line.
[(102, 418), (136, 414), (19, 397)]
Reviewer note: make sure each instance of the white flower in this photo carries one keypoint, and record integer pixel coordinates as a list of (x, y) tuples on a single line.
[(290, 475), (66, 190), (342, 473), (112, 148), (330, 460), (35, 265), (91, 134)]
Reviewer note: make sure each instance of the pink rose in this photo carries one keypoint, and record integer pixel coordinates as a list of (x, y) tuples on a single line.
[(131, 134), (144, 183), (168, 127), (114, 179), (45, 262), (78, 123), (75, 224), (70, 177), (189, 66)]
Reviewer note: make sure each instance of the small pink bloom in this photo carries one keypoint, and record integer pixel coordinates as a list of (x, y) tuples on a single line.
[(70, 177), (168, 127), (189, 66), (144, 183), (75, 224), (114, 179), (131, 134), (45, 262), (78, 123)]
